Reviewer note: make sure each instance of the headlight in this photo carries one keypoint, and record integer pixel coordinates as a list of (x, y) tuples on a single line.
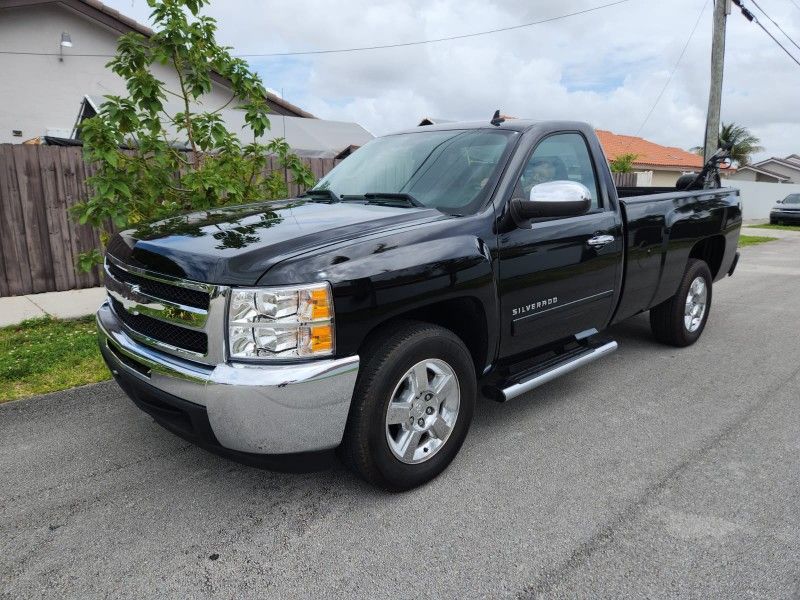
[(286, 322)]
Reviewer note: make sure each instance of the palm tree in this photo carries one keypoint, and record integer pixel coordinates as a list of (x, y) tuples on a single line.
[(744, 143)]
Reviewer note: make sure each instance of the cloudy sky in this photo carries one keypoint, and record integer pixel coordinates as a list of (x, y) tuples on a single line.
[(605, 67)]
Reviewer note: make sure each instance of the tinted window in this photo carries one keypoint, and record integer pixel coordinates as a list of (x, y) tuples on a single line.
[(449, 170), (557, 158), (792, 199)]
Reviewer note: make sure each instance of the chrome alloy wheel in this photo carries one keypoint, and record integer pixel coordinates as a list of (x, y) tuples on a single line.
[(696, 302), (422, 411)]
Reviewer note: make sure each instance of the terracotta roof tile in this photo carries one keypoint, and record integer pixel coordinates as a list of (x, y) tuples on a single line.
[(648, 153)]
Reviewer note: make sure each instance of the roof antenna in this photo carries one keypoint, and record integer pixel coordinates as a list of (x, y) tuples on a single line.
[(497, 119)]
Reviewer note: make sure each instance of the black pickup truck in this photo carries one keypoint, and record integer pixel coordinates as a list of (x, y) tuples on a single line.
[(430, 265)]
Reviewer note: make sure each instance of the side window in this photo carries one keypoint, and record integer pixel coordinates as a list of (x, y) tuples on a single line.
[(563, 156)]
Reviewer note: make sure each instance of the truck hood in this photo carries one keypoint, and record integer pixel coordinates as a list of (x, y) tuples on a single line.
[(237, 245)]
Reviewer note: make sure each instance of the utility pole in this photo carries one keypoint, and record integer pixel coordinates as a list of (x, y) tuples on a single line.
[(722, 8)]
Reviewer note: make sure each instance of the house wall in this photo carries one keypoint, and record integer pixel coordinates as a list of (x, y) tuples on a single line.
[(40, 92), (775, 167), (744, 176), (767, 179), (665, 178), (759, 197)]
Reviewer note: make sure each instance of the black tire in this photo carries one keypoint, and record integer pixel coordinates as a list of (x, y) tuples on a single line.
[(385, 359), (667, 319)]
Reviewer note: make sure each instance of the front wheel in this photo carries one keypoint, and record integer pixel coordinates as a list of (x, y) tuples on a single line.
[(680, 320), (412, 406)]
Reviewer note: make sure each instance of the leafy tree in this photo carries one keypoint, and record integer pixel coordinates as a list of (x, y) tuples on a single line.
[(623, 163), (143, 175), (745, 144)]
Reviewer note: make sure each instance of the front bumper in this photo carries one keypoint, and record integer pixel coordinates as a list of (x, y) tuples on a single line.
[(254, 409), (786, 217)]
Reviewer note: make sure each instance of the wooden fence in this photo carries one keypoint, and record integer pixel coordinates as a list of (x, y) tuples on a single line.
[(39, 240), (624, 179)]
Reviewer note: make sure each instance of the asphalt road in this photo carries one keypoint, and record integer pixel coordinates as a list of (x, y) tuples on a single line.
[(654, 473)]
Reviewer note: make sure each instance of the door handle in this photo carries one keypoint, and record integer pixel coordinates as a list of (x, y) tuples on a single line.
[(599, 241)]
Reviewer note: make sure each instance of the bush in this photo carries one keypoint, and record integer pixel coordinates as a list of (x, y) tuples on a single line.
[(623, 163)]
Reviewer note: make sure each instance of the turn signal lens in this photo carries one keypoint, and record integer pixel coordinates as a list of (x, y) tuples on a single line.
[(321, 339), (314, 305)]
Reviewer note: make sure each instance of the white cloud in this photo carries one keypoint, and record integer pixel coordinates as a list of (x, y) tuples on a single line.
[(606, 67)]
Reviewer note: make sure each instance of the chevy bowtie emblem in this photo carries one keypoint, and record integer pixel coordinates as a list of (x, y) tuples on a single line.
[(135, 293)]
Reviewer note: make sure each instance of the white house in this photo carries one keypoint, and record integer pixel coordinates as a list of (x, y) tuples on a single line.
[(772, 170), (53, 60)]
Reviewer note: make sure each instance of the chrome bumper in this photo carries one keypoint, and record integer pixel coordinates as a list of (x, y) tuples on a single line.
[(269, 409)]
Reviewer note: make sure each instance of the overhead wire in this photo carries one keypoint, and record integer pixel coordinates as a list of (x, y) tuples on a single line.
[(441, 39), (758, 6), (374, 47), (674, 69), (752, 18)]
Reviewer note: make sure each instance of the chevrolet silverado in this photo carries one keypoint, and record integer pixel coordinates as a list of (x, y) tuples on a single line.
[(429, 267)]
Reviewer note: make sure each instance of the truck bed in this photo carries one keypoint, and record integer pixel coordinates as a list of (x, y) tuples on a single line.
[(630, 192), (662, 228)]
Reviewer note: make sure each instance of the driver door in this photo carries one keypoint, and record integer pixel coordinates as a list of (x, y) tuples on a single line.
[(558, 277)]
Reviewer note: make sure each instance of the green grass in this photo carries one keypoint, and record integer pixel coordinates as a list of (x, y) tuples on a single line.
[(781, 227), (752, 240), (47, 355)]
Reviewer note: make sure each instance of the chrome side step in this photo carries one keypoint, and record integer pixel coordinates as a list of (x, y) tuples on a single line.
[(556, 371)]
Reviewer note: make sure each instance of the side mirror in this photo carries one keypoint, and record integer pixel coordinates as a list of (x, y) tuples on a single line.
[(552, 199)]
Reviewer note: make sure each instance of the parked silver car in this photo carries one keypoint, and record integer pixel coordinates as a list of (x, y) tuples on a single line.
[(786, 211)]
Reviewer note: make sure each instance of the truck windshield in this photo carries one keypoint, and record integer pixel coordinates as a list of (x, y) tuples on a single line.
[(792, 199), (453, 171)]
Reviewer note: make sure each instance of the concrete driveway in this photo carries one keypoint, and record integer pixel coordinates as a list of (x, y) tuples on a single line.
[(654, 473)]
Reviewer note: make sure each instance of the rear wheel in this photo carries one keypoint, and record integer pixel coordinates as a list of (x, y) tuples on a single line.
[(680, 320), (412, 406)]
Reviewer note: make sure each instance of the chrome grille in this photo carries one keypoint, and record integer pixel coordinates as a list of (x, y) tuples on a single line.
[(166, 333), (178, 316), (161, 290)]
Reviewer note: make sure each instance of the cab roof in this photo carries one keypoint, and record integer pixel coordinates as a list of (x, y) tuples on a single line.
[(518, 125)]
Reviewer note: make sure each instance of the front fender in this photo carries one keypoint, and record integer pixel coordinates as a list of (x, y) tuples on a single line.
[(380, 278)]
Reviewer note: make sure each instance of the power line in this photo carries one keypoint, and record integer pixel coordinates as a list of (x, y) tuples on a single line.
[(774, 39), (378, 47), (776, 25), (674, 69), (752, 18), (795, 3), (443, 39)]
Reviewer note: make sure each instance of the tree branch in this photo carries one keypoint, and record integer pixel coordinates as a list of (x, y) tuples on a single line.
[(189, 132), (224, 106)]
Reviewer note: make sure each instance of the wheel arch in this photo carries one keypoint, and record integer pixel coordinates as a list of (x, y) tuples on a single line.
[(711, 250), (465, 316)]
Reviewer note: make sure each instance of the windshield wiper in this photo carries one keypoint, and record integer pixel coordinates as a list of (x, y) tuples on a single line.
[(322, 194), (392, 198)]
